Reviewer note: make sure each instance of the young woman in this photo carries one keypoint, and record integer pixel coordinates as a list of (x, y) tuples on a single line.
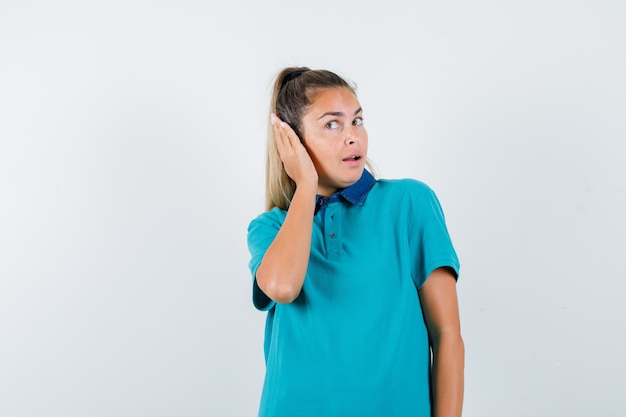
[(357, 275)]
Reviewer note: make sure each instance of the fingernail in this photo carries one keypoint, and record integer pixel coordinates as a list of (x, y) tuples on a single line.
[(273, 118)]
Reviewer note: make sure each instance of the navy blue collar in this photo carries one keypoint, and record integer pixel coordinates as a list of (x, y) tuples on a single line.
[(355, 194)]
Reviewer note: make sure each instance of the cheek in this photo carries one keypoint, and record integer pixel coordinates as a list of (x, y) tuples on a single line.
[(313, 151), (320, 155)]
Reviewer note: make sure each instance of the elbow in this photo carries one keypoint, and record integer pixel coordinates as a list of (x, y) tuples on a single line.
[(280, 292), (451, 340), (283, 294), (286, 297)]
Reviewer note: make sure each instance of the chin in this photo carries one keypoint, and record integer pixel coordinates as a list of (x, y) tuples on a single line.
[(348, 181)]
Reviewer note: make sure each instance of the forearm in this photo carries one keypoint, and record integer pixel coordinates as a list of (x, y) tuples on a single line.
[(448, 375), (283, 268)]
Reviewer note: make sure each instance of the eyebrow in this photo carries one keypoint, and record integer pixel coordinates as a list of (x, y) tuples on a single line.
[(338, 113)]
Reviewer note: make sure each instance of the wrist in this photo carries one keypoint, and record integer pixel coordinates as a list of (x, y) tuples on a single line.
[(307, 187)]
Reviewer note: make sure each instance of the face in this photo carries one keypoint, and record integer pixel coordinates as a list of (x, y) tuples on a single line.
[(335, 138)]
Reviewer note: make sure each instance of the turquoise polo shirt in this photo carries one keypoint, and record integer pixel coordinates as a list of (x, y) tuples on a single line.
[(354, 342)]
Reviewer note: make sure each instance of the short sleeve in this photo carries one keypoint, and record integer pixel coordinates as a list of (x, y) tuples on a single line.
[(429, 240), (261, 233)]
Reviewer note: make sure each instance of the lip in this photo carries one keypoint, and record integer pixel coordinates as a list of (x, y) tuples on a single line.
[(353, 160), (353, 155)]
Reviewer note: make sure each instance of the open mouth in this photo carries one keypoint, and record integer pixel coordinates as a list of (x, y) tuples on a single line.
[(353, 158)]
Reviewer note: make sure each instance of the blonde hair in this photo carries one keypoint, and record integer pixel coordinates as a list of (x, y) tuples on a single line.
[(294, 90)]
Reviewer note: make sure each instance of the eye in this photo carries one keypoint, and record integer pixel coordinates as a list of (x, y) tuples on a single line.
[(332, 125), (358, 121)]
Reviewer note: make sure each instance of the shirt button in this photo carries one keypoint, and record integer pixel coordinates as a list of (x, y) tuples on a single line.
[(332, 235)]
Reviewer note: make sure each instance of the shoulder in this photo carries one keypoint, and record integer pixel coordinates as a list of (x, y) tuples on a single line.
[(263, 229), (403, 188), (407, 195), (273, 218)]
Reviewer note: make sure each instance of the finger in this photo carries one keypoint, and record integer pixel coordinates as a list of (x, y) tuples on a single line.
[(275, 121), (286, 152), (282, 141), (290, 135)]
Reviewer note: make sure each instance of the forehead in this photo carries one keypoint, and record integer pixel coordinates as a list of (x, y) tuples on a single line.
[(334, 99)]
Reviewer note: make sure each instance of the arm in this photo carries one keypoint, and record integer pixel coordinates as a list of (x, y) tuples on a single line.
[(441, 312), (283, 268)]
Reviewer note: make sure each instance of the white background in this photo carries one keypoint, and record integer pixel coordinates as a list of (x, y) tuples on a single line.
[(132, 139)]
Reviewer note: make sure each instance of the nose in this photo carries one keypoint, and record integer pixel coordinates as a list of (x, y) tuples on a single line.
[(352, 136)]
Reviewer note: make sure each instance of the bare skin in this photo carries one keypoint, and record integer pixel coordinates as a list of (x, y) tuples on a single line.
[(333, 133), (440, 305), (336, 139), (283, 268), (281, 273)]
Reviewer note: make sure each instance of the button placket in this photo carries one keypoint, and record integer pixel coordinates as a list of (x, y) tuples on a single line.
[(333, 230)]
